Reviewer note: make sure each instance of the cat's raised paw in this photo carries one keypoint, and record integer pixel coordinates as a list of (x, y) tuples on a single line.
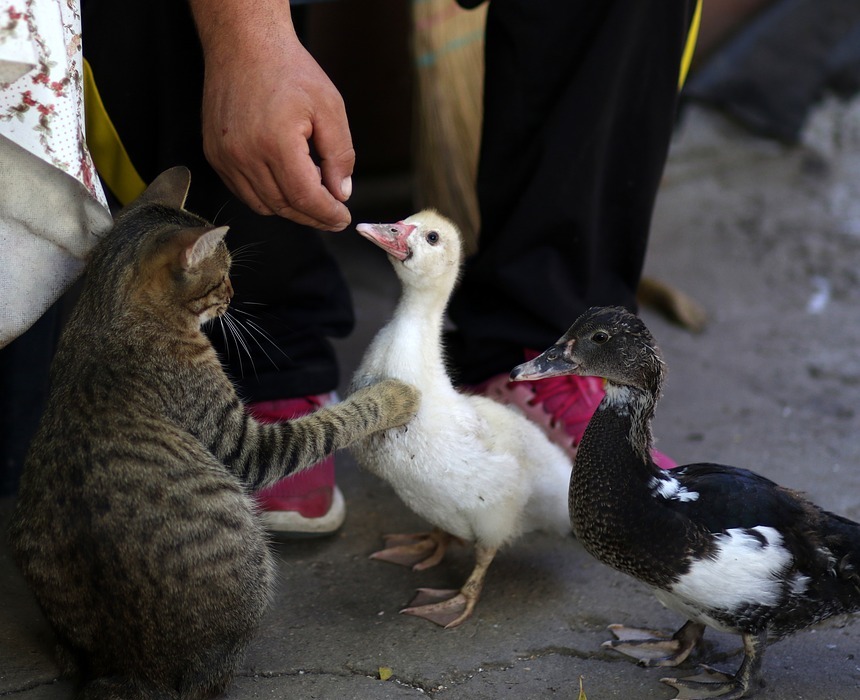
[(399, 400)]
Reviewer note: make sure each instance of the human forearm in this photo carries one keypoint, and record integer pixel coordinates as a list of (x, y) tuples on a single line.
[(264, 100)]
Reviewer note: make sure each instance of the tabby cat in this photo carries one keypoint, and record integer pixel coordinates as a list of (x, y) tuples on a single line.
[(134, 526)]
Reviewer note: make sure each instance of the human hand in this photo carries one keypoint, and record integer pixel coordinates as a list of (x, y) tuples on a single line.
[(265, 101)]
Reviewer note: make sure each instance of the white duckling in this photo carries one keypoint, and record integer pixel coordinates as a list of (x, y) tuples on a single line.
[(475, 469)]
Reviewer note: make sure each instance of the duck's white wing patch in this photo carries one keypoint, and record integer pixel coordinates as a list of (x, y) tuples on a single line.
[(746, 569), (669, 487)]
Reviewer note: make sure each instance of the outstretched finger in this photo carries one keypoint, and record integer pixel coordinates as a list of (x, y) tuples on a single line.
[(333, 142)]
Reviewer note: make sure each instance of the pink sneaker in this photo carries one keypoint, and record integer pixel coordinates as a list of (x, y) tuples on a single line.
[(561, 406), (308, 503)]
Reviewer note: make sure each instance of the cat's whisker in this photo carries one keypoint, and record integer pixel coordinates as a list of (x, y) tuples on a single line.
[(257, 315), (242, 265), (228, 334), (245, 333), (238, 253), (240, 343), (224, 335), (240, 311), (246, 256), (220, 209), (262, 331), (266, 336), (250, 326)]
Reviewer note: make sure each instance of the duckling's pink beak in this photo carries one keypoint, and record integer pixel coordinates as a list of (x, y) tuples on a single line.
[(390, 237)]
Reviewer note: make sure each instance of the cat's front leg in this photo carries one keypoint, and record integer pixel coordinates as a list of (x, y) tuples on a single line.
[(261, 454), (391, 402)]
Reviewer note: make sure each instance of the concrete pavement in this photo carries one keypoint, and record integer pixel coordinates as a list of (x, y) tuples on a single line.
[(767, 238)]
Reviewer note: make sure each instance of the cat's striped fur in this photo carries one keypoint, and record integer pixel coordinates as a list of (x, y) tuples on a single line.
[(134, 525)]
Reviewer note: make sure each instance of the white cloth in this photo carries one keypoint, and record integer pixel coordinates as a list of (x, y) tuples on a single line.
[(51, 202)]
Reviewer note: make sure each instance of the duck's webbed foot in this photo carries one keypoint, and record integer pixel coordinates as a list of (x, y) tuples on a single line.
[(711, 683), (653, 648), (419, 551)]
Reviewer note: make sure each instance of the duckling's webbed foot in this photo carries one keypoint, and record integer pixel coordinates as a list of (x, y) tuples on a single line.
[(447, 608), (420, 551), (653, 648), (715, 684)]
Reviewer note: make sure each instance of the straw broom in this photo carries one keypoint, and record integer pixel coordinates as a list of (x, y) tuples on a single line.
[(448, 50)]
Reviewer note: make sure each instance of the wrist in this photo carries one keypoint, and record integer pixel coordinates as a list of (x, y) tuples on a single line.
[(237, 28)]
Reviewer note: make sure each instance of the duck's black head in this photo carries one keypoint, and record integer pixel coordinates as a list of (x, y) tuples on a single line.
[(606, 341)]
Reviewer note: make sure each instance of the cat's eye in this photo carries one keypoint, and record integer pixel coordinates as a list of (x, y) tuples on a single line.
[(432, 237), (600, 337)]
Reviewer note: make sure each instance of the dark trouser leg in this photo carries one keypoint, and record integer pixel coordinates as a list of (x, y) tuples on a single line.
[(579, 107), (148, 66), (24, 384)]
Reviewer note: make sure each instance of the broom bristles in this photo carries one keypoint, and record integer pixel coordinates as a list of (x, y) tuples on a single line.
[(448, 46), (448, 49)]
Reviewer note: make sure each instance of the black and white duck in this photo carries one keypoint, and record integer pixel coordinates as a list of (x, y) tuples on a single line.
[(477, 470), (722, 546)]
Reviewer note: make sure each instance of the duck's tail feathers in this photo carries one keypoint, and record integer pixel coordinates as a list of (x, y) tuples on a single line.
[(848, 568), (843, 540)]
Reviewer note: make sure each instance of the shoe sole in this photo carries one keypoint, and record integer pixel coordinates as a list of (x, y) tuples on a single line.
[(289, 523)]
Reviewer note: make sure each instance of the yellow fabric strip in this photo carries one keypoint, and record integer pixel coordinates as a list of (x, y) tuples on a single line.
[(108, 153), (690, 48)]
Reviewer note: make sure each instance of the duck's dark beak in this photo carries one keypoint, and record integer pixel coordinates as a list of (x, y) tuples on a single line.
[(392, 238), (552, 362)]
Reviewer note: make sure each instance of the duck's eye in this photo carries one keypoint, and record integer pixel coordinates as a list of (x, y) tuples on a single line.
[(393, 229), (552, 355), (600, 337), (432, 237)]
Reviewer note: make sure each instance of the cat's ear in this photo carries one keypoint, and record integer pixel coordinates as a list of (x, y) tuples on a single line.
[(199, 244), (169, 189)]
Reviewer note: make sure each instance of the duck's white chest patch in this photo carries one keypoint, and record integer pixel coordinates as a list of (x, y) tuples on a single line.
[(746, 569), (669, 488), (617, 399)]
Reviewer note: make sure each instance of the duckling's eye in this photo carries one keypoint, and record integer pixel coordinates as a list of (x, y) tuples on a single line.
[(432, 237), (600, 337)]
